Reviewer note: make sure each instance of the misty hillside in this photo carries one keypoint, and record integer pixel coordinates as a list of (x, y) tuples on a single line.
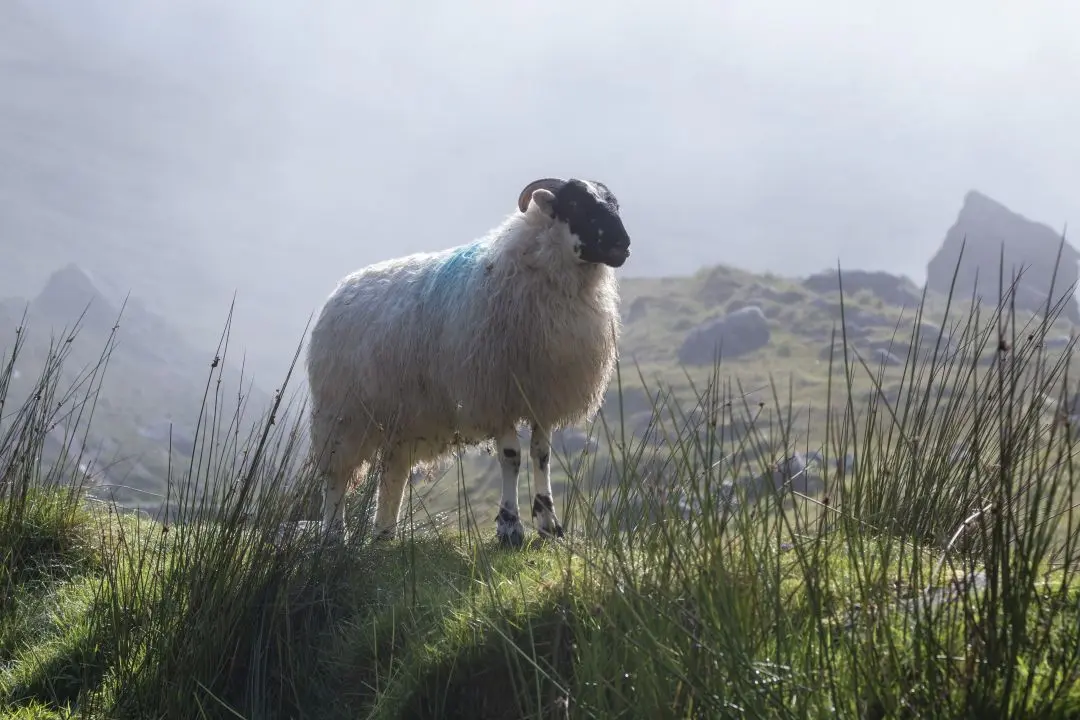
[(146, 419)]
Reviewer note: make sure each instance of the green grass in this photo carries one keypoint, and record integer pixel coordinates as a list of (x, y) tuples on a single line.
[(911, 585)]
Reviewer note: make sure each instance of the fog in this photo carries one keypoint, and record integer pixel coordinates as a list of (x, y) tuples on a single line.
[(269, 147)]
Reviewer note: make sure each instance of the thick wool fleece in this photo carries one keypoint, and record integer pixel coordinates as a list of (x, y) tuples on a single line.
[(426, 351)]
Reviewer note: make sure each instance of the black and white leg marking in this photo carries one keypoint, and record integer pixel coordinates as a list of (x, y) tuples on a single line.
[(543, 507), (508, 527)]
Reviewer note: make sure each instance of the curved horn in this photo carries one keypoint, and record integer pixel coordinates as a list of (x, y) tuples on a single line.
[(552, 184)]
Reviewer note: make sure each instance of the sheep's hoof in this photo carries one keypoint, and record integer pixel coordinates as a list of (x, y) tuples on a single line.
[(548, 533), (508, 529), (543, 513), (511, 536)]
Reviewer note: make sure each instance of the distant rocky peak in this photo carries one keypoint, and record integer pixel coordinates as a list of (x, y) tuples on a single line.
[(69, 279), (986, 229), (981, 212), (69, 291), (975, 201)]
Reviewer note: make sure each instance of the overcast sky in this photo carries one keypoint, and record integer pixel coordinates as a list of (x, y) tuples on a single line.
[(775, 135), (781, 133)]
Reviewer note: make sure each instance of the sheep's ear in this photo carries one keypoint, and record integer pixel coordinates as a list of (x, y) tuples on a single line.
[(545, 201)]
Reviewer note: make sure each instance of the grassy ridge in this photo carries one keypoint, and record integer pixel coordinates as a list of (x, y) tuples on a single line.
[(918, 583)]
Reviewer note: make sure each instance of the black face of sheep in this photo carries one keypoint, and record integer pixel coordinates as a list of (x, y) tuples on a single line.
[(591, 212)]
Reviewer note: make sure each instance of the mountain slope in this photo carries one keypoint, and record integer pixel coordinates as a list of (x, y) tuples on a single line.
[(147, 412)]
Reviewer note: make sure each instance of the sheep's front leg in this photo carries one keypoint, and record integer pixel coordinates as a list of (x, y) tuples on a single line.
[(392, 481), (543, 507), (508, 527)]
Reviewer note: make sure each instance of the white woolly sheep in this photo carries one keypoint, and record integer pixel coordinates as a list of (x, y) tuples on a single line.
[(413, 356)]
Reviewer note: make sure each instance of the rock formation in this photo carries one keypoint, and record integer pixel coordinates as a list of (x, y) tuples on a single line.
[(735, 334), (71, 294), (890, 289), (1032, 247)]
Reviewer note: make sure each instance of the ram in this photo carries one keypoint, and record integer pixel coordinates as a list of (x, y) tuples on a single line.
[(412, 357)]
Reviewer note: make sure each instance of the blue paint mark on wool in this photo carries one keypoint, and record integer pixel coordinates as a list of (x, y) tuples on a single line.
[(450, 279)]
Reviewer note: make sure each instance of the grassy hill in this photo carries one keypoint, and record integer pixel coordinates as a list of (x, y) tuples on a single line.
[(934, 576)]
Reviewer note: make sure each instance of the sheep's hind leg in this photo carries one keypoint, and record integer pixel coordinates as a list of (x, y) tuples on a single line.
[(543, 506), (335, 470), (336, 455), (334, 502), (508, 527), (394, 475)]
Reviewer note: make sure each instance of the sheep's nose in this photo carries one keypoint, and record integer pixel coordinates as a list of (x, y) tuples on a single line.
[(618, 254)]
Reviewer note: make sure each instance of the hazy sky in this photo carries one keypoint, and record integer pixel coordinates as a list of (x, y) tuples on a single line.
[(769, 135)]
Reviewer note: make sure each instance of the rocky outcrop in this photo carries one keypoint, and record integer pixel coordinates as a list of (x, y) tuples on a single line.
[(890, 289), (70, 294), (735, 334), (718, 285), (984, 227)]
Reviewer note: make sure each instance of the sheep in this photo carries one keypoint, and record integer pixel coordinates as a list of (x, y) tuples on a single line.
[(412, 357)]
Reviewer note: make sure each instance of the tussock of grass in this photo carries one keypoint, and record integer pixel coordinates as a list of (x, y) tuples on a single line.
[(911, 585)]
